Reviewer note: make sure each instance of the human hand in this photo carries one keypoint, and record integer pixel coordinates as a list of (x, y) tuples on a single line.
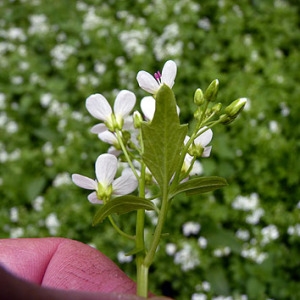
[(58, 268)]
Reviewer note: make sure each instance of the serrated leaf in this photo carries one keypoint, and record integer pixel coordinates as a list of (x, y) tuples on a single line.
[(200, 185), (122, 205), (163, 138)]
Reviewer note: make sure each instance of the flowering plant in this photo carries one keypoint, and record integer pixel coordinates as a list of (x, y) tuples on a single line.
[(155, 153)]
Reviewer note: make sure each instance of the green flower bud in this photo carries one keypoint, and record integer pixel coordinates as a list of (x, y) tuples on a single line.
[(233, 110), (198, 113), (198, 97), (217, 107), (211, 92), (137, 119)]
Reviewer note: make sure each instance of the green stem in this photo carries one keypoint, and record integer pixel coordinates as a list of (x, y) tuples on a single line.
[(142, 270), (120, 140), (120, 231), (158, 230)]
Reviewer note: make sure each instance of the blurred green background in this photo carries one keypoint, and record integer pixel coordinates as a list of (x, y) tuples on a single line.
[(242, 242)]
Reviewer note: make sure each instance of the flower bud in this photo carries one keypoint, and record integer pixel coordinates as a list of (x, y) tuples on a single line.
[(233, 109), (137, 119), (198, 113), (211, 92), (217, 107), (198, 97)]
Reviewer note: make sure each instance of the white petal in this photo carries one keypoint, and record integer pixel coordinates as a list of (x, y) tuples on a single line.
[(106, 168), (98, 107), (168, 73), (204, 138), (206, 151), (112, 150), (148, 107), (94, 199), (98, 128), (108, 137), (84, 182), (197, 168), (147, 82), (124, 103), (186, 139), (125, 184)]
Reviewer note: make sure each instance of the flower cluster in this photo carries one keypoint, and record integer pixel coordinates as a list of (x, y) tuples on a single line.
[(153, 149), (119, 129)]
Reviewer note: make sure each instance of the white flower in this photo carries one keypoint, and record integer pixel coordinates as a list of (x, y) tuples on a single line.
[(152, 84), (199, 146), (104, 186), (202, 141), (191, 228), (98, 107)]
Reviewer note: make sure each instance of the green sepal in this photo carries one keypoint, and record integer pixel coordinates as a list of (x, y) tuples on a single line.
[(122, 205), (163, 138), (200, 185)]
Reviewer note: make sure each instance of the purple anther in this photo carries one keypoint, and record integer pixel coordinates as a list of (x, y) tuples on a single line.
[(157, 76)]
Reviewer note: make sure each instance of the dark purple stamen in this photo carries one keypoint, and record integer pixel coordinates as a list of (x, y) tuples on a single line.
[(157, 76)]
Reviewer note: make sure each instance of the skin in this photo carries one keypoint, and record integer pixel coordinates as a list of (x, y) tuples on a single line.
[(58, 268)]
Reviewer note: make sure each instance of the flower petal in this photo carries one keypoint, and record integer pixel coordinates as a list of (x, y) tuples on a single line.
[(125, 184), (168, 73), (206, 151), (98, 128), (204, 138), (98, 107), (108, 137), (94, 199), (147, 82), (106, 168), (197, 169), (84, 182), (148, 107), (124, 103)]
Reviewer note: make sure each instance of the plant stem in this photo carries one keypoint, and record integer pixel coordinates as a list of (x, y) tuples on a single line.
[(142, 270), (120, 231), (158, 230)]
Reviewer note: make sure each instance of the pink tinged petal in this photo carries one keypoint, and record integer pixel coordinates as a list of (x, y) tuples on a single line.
[(204, 138), (124, 103), (98, 107), (168, 73), (106, 168), (84, 182), (94, 199), (98, 128), (206, 151), (148, 107), (147, 82), (108, 137), (125, 184)]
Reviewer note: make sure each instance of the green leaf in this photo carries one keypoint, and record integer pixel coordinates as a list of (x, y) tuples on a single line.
[(163, 138), (122, 205), (200, 185)]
